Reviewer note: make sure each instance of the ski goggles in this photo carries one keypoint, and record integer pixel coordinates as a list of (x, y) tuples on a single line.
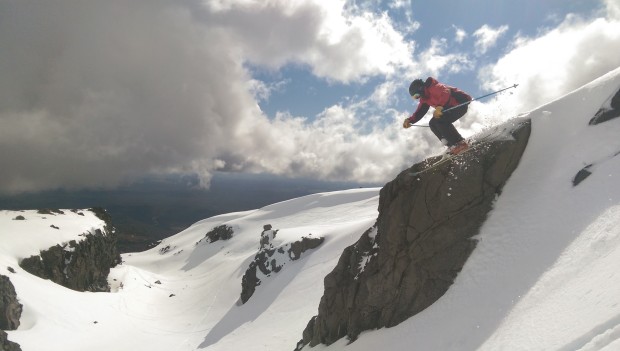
[(415, 96)]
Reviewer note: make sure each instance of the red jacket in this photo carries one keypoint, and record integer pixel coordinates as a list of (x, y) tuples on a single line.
[(438, 94)]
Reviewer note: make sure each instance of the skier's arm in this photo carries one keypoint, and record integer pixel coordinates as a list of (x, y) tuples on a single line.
[(419, 112)]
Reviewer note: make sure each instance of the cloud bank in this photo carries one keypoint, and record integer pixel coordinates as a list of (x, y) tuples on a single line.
[(96, 94)]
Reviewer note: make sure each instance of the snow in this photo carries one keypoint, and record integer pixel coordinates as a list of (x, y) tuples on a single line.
[(543, 276), (25, 238)]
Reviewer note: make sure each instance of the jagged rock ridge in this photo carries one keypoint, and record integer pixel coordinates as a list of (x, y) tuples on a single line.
[(10, 308), (421, 240), (83, 265), (271, 259), (609, 110), (10, 312), (6, 344)]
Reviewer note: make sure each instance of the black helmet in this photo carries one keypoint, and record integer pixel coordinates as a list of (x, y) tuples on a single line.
[(416, 87)]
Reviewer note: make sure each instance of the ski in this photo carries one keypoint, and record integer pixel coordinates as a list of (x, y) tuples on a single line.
[(445, 158)]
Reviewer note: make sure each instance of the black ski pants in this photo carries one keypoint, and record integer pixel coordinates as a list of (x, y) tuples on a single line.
[(442, 127)]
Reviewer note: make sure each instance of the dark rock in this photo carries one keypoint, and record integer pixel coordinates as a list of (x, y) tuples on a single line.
[(604, 114), (582, 175), (10, 308), (299, 247), (222, 232), (166, 249), (10, 269), (249, 282), (19, 218), (49, 211), (271, 260), (267, 235), (419, 244), (81, 266), (6, 345)]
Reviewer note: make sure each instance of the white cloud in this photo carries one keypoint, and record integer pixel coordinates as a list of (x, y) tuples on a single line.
[(435, 59), (460, 34), (341, 144), (613, 9), (97, 93), (262, 91), (400, 4), (556, 62), (486, 37), (338, 42)]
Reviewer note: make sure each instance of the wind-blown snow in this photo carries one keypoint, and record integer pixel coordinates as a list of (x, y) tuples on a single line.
[(543, 276)]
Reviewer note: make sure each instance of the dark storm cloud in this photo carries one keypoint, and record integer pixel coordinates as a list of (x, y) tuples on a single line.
[(95, 92)]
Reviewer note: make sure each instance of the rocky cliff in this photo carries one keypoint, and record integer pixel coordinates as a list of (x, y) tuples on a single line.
[(421, 240), (81, 266), (10, 312), (271, 259), (7, 345), (10, 308)]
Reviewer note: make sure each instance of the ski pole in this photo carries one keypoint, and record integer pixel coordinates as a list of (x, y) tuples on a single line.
[(478, 98)]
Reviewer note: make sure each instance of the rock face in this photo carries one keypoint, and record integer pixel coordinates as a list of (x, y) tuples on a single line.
[(6, 345), (10, 308), (610, 110), (270, 259), (81, 266), (421, 240), (10, 312)]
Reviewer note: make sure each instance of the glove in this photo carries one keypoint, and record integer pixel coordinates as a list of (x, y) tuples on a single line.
[(406, 123), (438, 112)]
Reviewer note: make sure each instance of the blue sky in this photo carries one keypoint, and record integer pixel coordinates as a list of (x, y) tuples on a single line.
[(97, 94), (307, 95)]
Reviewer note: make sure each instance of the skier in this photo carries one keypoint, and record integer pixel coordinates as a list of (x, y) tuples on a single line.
[(440, 96)]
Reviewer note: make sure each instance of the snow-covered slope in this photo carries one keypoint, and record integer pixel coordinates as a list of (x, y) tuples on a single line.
[(183, 296), (25, 233), (543, 276)]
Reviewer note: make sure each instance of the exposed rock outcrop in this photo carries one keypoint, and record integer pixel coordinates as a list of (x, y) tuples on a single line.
[(270, 259), (222, 232), (421, 240), (610, 110), (10, 308), (6, 345), (81, 266)]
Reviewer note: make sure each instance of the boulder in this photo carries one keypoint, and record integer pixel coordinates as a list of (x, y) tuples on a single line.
[(420, 242), (6, 345), (10, 308), (610, 110), (81, 266), (270, 259)]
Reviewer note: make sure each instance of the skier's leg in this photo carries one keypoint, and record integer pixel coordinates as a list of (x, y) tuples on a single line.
[(449, 132), (447, 129), (435, 128)]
